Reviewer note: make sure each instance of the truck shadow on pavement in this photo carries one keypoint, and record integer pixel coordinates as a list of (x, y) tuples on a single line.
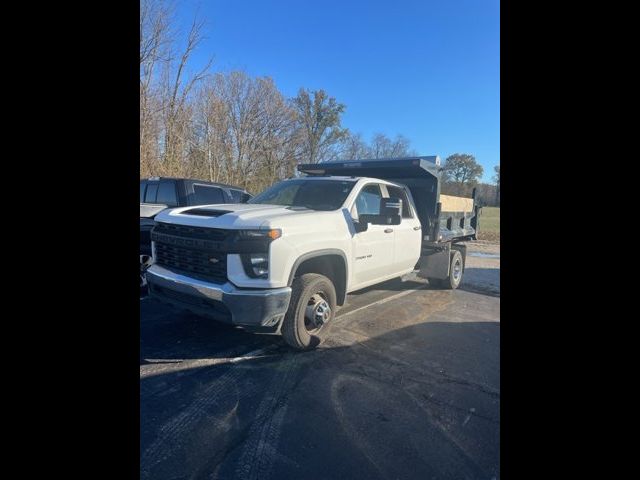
[(186, 336), (405, 398), (481, 280)]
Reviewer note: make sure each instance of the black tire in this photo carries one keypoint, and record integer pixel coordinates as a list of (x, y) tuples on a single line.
[(456, 269), (308, 288)]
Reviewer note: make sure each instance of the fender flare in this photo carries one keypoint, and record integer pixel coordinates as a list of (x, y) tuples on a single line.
[(319, 253)]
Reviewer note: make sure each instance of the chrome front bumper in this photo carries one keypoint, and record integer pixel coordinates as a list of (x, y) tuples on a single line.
[(226, 302)]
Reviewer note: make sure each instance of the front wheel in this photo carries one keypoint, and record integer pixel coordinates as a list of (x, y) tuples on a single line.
[(456, 268), (311, 310)]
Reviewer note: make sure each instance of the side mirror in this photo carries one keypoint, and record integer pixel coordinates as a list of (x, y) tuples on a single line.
[(245, 198), (361, 226), (390, 213)]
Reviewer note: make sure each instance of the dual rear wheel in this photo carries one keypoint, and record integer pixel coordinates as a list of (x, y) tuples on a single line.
[(456, 268)]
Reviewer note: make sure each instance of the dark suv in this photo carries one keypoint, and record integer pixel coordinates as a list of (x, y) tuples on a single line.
[(159, 193)]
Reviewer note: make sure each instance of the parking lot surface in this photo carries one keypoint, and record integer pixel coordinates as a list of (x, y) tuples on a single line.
[(406, 387)]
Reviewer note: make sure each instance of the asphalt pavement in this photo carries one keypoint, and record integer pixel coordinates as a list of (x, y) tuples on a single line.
[(406, 387)]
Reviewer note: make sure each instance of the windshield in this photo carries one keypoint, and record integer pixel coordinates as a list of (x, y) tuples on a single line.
[(312, 194)]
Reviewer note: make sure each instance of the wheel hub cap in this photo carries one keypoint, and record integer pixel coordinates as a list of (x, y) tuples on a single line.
[(457, 271), (318, 311)]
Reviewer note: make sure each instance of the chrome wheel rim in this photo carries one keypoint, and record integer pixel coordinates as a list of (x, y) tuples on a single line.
[(317, 313), (457, 271)]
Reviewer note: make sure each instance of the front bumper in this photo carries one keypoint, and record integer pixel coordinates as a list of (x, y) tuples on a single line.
[(249, 308)]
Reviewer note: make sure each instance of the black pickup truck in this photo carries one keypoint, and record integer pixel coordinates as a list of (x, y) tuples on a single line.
[(159, 193)]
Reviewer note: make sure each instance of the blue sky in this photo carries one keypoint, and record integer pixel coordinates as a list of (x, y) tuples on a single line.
[(429, 70)]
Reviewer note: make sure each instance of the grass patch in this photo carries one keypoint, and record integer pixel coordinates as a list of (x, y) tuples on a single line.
[(490, 224)]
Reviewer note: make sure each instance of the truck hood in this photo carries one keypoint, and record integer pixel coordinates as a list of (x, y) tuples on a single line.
[(232, 216), (150, 210)]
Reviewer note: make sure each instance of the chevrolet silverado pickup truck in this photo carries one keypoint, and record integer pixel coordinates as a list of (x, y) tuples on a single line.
[(159, 193), (283, 262)]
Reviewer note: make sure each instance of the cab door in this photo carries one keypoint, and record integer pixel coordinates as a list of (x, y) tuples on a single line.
[(408, 235), (372, 249)]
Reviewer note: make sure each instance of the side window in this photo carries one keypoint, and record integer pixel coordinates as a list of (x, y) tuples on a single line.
[(143, 185), (368, 200), (400, 193), (167, 194), (236, 195), (152, 190), (205, 195)]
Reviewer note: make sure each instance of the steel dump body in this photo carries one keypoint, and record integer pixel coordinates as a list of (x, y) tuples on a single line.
[(444, 218)]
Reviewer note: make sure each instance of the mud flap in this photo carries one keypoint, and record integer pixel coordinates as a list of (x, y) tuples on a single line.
[(435, 261)]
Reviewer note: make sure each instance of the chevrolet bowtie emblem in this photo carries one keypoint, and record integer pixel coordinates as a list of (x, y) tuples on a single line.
[(214, 260)]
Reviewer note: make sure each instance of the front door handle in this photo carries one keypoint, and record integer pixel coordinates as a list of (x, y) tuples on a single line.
[(417, 228), (388, 230)]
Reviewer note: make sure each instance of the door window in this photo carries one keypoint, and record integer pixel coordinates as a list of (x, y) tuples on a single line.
[(205, 195), (400, 193), (152, 190), (368, 201), (167, 194)]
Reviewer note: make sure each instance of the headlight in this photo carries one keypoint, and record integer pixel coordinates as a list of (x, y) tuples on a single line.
[(260, 264), (272, 234), (256, 265)]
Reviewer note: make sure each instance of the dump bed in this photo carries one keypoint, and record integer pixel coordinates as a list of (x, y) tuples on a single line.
[(443, 217)]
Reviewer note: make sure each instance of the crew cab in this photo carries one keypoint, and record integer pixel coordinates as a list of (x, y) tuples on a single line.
[(159, 193), (283, 262)]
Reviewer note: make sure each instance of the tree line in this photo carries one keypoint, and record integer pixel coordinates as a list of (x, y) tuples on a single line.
[(232, 128), (460, 174)]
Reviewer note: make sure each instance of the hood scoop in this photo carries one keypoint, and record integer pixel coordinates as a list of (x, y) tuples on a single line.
[(205, 212), (296, 208)]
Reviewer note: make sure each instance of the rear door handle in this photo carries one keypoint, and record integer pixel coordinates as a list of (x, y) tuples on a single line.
[(417, 228), (388, 230)]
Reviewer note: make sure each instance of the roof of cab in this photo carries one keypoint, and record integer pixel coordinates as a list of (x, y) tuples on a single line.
[(194, 180)]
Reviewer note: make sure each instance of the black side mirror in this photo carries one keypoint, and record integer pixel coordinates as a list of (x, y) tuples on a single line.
[(391, 207), (361, 226), (245, 198), (390, 212)]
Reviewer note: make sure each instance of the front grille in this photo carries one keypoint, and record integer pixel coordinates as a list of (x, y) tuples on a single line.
[(214, 234), (199, 263), (203, 264)]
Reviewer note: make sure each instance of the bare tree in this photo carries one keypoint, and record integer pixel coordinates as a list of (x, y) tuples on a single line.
[(246, 131), (229, 127), (319, 124), (353, 147), (177, 85), (165, 87), (156, 36), (383, 147)]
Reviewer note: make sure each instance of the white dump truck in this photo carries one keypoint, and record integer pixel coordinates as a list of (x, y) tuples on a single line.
[(286, 260)]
